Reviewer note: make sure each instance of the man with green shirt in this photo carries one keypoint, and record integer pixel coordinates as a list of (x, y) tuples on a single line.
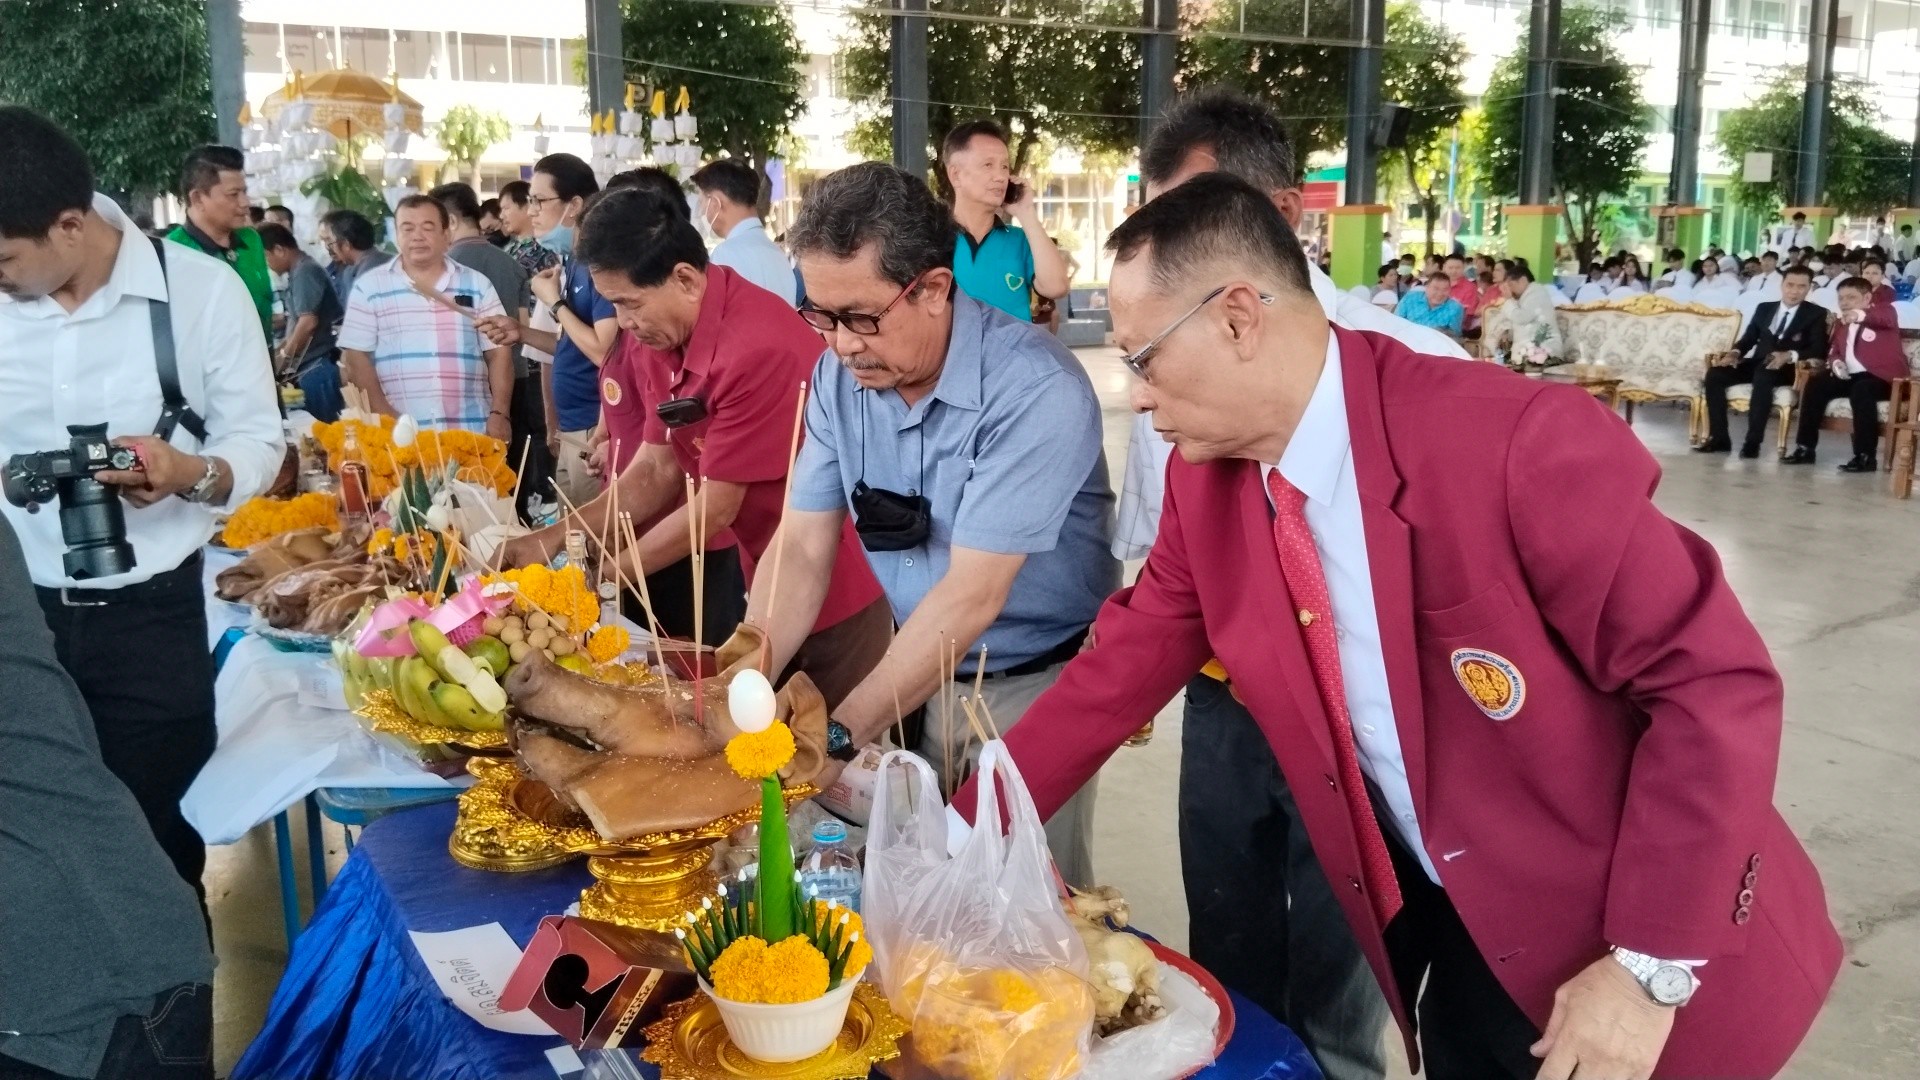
[(993, 262), (214, 184)]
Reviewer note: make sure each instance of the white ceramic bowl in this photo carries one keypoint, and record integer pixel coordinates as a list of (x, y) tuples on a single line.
[(780, 1033)]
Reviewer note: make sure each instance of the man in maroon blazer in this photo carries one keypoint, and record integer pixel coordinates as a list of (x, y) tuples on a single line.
[(1531, 733), (1863, 359)]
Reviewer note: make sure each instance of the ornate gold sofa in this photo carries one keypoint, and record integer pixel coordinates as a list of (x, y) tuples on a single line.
[(1654, 346)]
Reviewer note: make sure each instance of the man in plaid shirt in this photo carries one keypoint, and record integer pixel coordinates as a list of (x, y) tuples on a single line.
[(416, 355)]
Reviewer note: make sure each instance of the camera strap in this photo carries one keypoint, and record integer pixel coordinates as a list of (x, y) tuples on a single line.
[(174, 410)]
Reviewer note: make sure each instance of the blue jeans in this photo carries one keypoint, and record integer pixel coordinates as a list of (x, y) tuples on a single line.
[(1242, 843), (320, 381)]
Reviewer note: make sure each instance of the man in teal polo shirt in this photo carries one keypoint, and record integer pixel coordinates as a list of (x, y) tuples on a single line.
[(214, 184), (993, 262)]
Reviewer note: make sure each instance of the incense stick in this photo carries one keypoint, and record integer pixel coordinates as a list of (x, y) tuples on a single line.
[(980, 672), (646, 602), (520, 474), (444, 301), (780, 537)]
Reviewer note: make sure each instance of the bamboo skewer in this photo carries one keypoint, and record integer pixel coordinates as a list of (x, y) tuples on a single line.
[(780, 538), (520, 474)]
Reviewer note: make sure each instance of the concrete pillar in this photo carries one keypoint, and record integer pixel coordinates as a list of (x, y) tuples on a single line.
[(1689, 230), (1695, 16), (1532, 231), (228, 57), (606, 47), (1354, 236), (1536, 148), (1913, 168), (1363, 102), (1822, 26), (1159, 56), (907, 85)]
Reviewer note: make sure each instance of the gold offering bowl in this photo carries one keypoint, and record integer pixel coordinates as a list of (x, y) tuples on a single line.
[(508, 822)]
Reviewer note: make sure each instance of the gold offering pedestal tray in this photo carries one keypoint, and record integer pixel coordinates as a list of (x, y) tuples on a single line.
[(510, 823), (689, 1042)]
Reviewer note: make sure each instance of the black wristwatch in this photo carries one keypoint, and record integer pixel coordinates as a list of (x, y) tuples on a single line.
[(840, 742)]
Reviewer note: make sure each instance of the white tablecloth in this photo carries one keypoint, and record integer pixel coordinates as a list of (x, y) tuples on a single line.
[(274, 749)]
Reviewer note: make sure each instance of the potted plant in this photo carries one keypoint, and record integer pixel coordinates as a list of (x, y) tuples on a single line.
[(779, 967)]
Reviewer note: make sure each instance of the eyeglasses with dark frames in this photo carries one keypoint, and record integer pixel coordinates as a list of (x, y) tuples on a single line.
[(1138, 359), (855, 322)]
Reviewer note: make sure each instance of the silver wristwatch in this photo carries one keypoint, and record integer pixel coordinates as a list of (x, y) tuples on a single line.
[(1666, 982), (202, 490)]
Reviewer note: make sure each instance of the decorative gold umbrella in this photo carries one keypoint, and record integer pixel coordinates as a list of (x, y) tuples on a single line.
[(345, 102)]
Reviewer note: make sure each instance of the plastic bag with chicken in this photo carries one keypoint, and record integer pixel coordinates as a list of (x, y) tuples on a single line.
[(974, 950)]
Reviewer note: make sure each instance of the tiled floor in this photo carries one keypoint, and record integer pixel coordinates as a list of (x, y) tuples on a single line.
[(1827, 565)]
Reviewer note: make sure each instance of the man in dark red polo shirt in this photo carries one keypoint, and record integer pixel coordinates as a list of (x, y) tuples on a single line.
[(704, 382)]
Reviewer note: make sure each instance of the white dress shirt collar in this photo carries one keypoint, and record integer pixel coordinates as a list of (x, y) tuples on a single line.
[(1320, 442)]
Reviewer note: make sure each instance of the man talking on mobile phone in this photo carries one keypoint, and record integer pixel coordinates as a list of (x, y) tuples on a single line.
[(993, 262)]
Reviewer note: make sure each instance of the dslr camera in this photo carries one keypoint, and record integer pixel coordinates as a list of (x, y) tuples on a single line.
[(91, 520)]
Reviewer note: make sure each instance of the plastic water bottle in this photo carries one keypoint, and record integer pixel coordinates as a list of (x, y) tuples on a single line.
[(831, 871)]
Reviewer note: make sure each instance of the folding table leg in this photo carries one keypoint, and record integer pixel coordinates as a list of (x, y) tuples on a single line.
[(316, 851), (289, 892)]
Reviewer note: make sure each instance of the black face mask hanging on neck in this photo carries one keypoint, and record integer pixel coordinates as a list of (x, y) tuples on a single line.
[(887, 520)]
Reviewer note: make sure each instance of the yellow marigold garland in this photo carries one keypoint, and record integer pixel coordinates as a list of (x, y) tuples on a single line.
[(262, 519), (752, 971), (479, 458), (758, 754)]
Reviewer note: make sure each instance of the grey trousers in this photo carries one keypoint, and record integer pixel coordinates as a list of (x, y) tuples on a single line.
[(954, 752)]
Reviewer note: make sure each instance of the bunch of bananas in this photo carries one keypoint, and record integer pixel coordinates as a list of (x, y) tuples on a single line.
[(440, 684)]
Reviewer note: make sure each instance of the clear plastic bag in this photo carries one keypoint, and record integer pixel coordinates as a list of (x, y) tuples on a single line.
[(973, 950)]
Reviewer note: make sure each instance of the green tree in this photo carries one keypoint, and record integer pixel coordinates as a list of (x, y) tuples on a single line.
[(466, 133), (1866, 167), (1599, 125), (1041, 77), (129, 81), (1307, 83), (749, 111), (1422, 69)]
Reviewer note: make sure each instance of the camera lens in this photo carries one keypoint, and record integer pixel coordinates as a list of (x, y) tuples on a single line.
[(95, 529)]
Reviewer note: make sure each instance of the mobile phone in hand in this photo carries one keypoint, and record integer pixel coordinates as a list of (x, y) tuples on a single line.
[(1015, 189)]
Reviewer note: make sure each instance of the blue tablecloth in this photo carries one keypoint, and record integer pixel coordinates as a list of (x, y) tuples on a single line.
[(358, 1002)]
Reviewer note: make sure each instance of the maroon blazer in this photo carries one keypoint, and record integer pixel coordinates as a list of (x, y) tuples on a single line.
[(1627, 800), (1883, 355)]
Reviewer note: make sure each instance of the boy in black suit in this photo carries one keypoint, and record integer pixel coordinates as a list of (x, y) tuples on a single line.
[(1782, 331)]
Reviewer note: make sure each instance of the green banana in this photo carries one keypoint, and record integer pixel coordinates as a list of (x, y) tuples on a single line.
[(460, 707)]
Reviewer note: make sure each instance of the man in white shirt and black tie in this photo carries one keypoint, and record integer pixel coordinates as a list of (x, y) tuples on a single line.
[(162, 345), (1767, 281), (1781, 333), (1798, 234)]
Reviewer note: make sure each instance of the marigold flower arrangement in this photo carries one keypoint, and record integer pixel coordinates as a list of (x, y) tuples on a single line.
[(261, 519), (473, 457), (605, 644), (776, 947), (563, 594)]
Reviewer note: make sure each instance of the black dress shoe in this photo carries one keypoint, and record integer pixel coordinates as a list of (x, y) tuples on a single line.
[(1861, 463), (1800, 456), (1749, 452), (1714, 446)]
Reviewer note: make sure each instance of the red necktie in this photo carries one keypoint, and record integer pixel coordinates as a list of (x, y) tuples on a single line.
[(1307, 585)]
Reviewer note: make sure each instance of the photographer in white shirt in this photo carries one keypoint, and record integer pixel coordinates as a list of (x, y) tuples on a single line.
[(80, 344)]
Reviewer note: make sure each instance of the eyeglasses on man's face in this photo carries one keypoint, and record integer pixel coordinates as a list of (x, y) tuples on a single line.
[(1138, 359), (856, 322)]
